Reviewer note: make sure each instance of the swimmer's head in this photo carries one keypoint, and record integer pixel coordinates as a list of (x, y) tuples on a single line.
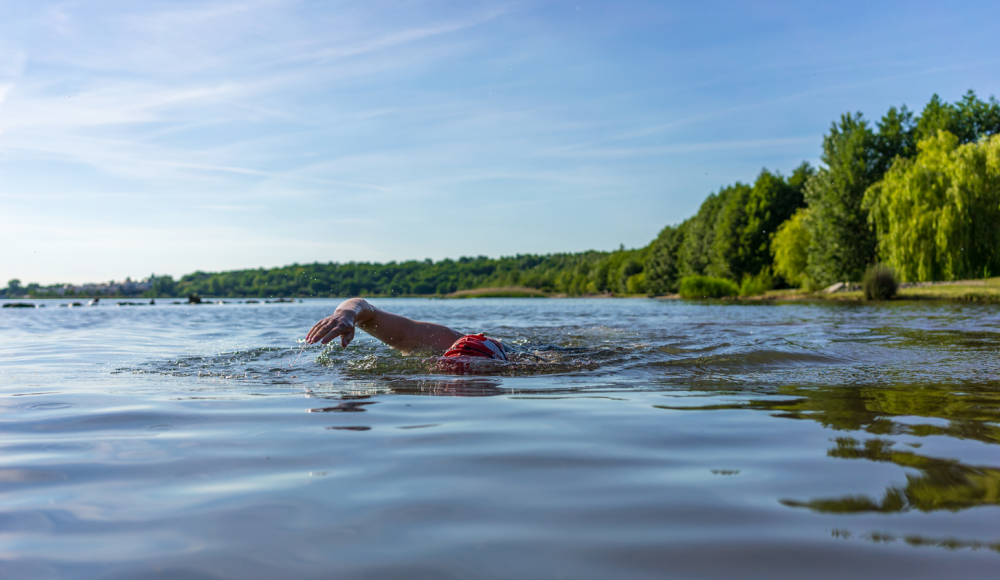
[(477, 346)]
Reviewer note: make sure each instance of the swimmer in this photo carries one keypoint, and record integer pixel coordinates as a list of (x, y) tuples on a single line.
[(402, 333)]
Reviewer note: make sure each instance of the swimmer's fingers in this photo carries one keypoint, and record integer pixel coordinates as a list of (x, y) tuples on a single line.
[(327, 334), (319, 330), (347, 337), (330, 328)]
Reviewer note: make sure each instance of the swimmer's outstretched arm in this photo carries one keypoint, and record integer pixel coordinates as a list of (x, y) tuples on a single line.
[(397, 331)]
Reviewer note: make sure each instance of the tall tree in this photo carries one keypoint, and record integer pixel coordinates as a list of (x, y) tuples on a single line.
[(842, 244), (800, 176), (975, 118), (937, 115), (771, 201), (789, 247), (726, 258), (968, 119), (663, 264), (695, 250), (937, 215), (896, 137)]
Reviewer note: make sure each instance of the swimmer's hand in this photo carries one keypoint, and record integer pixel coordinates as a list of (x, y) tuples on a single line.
[(355, 311), (340, 323)]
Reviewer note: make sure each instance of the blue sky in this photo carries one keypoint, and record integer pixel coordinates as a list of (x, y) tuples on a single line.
[(166, 137)]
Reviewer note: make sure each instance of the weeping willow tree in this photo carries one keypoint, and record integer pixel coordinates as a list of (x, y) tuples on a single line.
[(789, 247), (937, 215)]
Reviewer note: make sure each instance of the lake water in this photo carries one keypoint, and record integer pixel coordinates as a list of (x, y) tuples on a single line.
[(649, 439)]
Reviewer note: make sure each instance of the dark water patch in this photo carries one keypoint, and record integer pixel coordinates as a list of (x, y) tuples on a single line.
[(29, 475), (50, 406), (345, 407)]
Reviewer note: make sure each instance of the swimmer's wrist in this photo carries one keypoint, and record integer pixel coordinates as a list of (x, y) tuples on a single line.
[(359, 309)]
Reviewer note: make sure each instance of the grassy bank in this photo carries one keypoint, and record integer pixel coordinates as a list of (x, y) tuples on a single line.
[(510, 292), (966, 291), (960, 291)]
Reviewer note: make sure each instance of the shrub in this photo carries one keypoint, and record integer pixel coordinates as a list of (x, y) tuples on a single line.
[(753, 285), (707, 287), (879, 283), (636, 283)]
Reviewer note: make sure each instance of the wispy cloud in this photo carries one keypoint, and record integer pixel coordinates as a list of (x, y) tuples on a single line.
[(394, 39), (681, 148)]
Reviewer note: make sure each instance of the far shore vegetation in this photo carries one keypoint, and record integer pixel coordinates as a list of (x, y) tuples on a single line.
[(915, 197)]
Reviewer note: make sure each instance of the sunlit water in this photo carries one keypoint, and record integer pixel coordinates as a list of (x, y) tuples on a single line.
[(635, 439)]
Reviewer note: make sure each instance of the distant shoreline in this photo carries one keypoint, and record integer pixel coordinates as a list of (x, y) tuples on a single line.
[(984, 291)]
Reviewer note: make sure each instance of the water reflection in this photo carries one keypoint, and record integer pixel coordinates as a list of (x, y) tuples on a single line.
[(959, 412), (917, 541), (966, 411), (942, 484), (344, 407)]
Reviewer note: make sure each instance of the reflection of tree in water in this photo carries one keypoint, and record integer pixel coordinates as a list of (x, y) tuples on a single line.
[(972, 412), (943, 484), (917, 541)]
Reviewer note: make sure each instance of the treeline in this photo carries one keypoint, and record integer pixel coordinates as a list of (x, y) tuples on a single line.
[(919, 193), (592, 272)]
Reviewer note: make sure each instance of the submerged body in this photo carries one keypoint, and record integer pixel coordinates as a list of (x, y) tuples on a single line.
[(402, 333)]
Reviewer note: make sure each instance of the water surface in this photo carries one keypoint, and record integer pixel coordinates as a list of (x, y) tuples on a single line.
[(638, 439)]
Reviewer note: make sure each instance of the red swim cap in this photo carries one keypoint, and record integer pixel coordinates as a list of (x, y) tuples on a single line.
[(478, 345)]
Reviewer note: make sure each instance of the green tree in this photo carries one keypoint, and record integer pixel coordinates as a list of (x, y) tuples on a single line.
[(770, 203), (968, 119), (13, 287), (937, 215), (896, 137), (726, 258), (976, 118), (663, 264), (162, 286), (937, 115), (841, 242), (696, 247), (636, 284), (790, 249)]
